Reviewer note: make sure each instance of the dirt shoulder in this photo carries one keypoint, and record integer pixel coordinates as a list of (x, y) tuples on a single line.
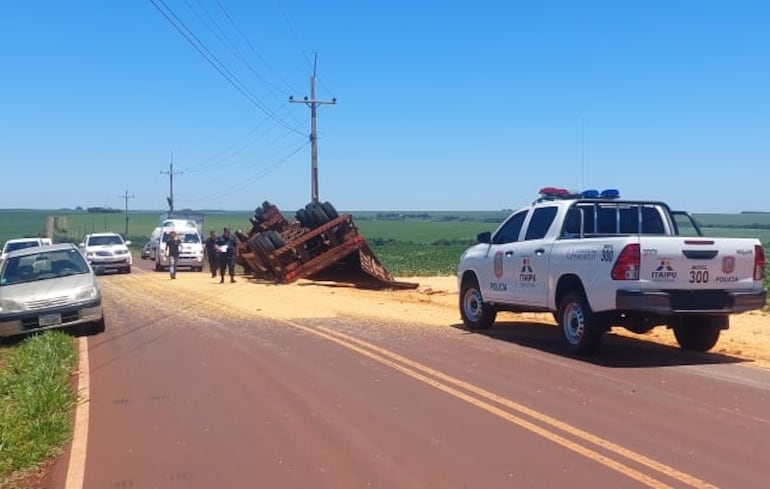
[(432, 304)]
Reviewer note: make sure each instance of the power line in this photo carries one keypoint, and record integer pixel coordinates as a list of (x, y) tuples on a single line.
[(222, 36), (201, 48), (251, 46), (310, 64), (254, 178)]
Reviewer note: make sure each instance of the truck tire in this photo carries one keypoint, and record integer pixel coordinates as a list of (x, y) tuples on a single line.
[(265, 243), (699, 333), (475, 313), (581, 330)]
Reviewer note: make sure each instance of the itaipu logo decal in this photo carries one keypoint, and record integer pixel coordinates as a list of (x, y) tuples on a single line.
[(664, 271), (527, 274)]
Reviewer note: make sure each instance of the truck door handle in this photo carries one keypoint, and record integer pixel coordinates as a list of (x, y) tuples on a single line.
[(509, 253), (539, 251)]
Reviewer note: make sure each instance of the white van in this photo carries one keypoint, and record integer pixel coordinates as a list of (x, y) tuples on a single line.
[(190, 252)]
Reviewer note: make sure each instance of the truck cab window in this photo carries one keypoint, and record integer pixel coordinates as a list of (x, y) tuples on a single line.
[(541, 221), (510, 231)]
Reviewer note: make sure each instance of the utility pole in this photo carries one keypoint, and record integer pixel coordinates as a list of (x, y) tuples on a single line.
[(125, 197), (313, 104), (170, 173)]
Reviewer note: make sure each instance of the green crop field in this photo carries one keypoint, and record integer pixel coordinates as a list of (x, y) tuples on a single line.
[(411, 243)]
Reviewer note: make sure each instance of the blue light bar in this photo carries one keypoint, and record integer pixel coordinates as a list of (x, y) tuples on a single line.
[(610, 193), (590, 194)]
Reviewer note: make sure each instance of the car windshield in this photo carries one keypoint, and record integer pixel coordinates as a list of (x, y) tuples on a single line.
[(105, 240), (20, 245), (42, 266)]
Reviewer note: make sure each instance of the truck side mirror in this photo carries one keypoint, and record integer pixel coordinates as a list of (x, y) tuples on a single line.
[(485, 237)]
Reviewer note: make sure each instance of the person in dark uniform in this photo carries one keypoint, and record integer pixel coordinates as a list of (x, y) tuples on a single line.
[(226, 247), (172, 252), (212, 253)]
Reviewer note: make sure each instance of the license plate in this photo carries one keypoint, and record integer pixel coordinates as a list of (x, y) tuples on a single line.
[(49, 319)]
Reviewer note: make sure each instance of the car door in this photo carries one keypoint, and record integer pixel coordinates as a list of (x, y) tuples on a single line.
[(499, 270), (532, 257)]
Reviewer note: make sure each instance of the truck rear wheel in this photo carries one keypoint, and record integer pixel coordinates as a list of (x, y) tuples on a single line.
[(475, 313), (699, 333), (581, 329)]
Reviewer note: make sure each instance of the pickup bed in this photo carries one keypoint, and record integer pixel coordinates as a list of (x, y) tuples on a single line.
[(596, 261)]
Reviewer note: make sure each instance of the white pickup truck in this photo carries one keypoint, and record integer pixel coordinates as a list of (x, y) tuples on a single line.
[(596, 261)]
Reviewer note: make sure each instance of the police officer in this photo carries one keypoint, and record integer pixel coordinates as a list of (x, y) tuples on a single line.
[(212, 253), (226, 247)]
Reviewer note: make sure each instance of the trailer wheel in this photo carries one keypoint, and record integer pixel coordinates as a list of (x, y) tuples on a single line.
[(317, 215), (265, 243), (275, 239), (304, 218), (699, 333), (475, 313), (330, 211), (580, 327)]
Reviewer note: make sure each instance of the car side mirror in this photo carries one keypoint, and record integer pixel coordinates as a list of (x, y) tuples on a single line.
[(82, 245), (485, 237), (128, 242)]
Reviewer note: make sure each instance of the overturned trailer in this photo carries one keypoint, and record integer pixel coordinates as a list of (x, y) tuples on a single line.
[(319, 244)]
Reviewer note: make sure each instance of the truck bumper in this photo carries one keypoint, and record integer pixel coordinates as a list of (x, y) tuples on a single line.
[(690, 301)]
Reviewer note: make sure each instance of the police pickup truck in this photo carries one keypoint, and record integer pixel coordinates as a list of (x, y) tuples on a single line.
[(596, 261)]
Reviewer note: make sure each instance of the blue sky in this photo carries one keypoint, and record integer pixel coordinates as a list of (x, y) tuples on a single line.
[(442, 105)]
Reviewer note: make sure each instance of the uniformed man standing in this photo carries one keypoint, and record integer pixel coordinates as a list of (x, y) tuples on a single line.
[(212, 254), (226, 247)]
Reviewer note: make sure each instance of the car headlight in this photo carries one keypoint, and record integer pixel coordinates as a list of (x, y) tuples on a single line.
[(7, 305), (87, 293)]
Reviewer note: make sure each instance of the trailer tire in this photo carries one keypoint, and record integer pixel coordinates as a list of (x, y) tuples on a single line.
[(265, 243), (476, 314), (275, 239), (317, 215), (304, 218), (330, 211), (581, 329), (699, 333)]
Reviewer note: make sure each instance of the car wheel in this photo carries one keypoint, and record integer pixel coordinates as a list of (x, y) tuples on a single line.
[(127, 270), (699, 333), (581, 329), (476, 314)]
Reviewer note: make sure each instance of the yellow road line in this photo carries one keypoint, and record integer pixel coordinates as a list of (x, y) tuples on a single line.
[(77, 463), (419, 371)]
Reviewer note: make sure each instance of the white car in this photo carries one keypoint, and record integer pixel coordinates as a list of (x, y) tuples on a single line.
[(190, 251), (21, 243), (107, 251)]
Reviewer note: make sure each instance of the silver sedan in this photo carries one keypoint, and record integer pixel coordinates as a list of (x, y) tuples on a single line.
[(46, 288)]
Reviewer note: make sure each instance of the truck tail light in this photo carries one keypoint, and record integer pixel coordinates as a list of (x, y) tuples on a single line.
[(628, 263), (759, 262)]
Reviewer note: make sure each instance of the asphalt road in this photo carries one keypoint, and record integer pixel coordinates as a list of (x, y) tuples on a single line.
[(197, 398)]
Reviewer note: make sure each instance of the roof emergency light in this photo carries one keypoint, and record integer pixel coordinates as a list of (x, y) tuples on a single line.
[(589, 194), (610, 193)]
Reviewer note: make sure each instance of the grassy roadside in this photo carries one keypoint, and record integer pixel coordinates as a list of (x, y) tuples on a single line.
[(36, 401)]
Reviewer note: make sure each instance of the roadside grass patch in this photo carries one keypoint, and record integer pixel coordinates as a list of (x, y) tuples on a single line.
[(36, 401)]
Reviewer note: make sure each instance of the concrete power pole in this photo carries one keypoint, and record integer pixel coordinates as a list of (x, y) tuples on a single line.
[(125, 197), (313, 104), (170, 173)]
